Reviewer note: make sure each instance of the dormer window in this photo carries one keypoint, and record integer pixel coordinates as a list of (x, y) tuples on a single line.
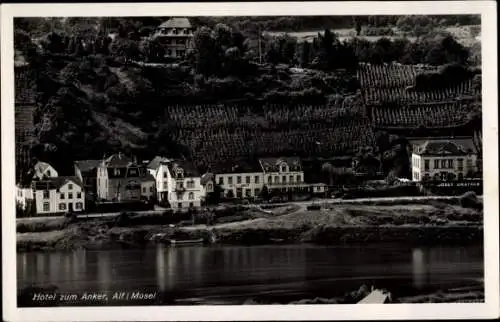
[(283, 168), (116, 172), (48, 173), (175, 31)]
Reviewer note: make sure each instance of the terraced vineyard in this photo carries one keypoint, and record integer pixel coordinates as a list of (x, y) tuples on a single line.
[(377, 96), (393, 102), (433, 115), (217, 133), (390, 76)]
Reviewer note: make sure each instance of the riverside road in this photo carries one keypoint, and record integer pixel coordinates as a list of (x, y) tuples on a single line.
[(299, 203)]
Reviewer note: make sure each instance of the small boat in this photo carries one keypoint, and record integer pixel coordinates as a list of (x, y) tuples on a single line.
[(187, 242)]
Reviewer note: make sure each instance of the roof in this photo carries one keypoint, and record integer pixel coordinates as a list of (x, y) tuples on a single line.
[(206, 178), (87, 165), (155, 163), (41, 167), (146, 178), (188, 168), (466, 142), (442, 148), (238, 166), (176, 23), (56, 183), (273, 164), (118, 161)]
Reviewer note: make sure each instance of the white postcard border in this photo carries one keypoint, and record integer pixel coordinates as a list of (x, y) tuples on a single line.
[(489, 309)]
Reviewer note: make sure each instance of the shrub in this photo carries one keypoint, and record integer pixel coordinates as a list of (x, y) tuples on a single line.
[(470, 200)]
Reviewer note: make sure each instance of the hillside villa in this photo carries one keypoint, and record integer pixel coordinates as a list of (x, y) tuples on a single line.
[(176, 34)]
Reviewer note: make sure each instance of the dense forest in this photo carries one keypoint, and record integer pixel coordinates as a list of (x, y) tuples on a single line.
[(95, 95)]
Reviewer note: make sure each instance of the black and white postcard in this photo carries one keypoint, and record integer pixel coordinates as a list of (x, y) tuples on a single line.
[(250, 161)]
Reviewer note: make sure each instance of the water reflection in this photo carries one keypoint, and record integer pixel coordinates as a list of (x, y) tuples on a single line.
[(210, 271)]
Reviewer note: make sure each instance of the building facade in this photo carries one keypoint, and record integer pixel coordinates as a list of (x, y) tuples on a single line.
[(158, 169), (55, 195), (184, 189), (243, 179), (176, 35), (119, 179), (442, 160), (284, 174), (86, 171)]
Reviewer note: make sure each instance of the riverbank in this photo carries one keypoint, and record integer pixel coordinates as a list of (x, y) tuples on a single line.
[(418, 223)]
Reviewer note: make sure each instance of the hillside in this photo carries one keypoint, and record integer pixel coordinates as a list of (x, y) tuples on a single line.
[(322, 99)]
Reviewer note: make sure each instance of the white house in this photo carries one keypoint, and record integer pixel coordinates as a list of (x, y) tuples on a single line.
[(241, 180), (159, 170), (148, 186), (24, 192), (208, 183), (285, 174), (442, 160), (58, 195), (184, 188)]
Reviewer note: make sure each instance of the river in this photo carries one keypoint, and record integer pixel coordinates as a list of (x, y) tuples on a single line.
[(273, 274)]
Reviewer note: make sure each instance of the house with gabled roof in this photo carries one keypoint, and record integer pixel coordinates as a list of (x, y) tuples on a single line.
[(120, 179), (176, 34), (86, 171), (50, 193), (443, 160)]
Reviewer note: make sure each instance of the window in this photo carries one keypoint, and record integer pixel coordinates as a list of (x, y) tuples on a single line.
[(180, 185), (133, 172), (221, 180), (116, 172), (144, 189), (185, 31), (283, 179), (230, 180), (248, 192), (70, 195), (209, 186), (269, 180), (180, 196), (248, 179), (179, 205), (48, 173), (79, 205), (190, 184), (191, 196), (443, 164), (45, 194), (450, 164), (175, 31), (151, 189), (283, 168), (79, 195), (436, 164), (62, 196), (169, 52), (257, 191), (46, 206), (299, 178), (460, 164), (256, 179), (238, 179), (191, 205), (276, 179), (62, 206), (426, 165), (164, 174), (290, 179)]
